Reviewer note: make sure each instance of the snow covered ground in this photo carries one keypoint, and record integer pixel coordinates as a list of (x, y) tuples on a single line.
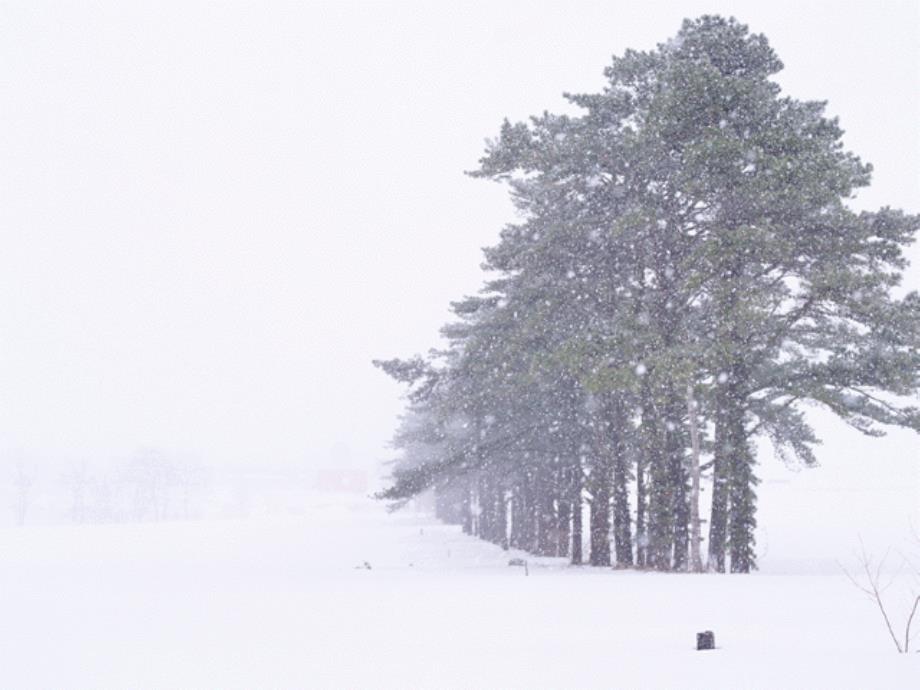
[(279, 603)]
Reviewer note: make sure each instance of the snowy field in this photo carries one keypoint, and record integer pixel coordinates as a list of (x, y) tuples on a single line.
[(279, 603)]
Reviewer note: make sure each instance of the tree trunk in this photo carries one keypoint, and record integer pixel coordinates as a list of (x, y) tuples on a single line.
[(600, 513), (622, 523), (528, 529), (641, 508), (718, 519), (546, 521), (660, 495), (679, 480), (514, 531), (484, 502), (734, 499), (467, 510), (742, 499), (563, 525), (696, 559), (577, 535)]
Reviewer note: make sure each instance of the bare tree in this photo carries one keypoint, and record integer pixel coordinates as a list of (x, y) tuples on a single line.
[(77, 480), (150, 476), (869, 581), (190, 478), (101, 501)]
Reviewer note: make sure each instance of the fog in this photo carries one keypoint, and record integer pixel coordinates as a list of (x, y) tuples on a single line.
[(215, 215)]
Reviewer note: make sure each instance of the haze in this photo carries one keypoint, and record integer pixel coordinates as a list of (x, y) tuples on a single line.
[(214, 216)]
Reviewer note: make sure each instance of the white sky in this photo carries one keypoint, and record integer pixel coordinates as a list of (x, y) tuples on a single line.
[(212, 217)]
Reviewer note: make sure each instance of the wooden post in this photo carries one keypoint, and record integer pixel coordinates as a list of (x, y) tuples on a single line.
[(705, 640)]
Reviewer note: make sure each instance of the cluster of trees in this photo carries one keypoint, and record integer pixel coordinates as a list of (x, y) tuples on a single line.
[(148, 487), (685, 275)]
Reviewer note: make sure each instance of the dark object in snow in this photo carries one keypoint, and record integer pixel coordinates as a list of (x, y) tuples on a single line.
[(520, 562), (706, 640), (363, 566)]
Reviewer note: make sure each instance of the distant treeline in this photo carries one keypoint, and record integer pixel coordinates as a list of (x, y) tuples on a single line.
[(147, 487)]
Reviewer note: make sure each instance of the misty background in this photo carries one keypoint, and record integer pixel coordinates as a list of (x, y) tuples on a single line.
[(213, 216)]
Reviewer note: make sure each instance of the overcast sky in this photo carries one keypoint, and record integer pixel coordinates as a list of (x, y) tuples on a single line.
[(214, 216)]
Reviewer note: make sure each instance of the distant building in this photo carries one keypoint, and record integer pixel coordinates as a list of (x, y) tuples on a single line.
[(341, 479)]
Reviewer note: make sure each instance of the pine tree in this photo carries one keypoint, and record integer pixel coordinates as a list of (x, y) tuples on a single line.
[(685, 267)]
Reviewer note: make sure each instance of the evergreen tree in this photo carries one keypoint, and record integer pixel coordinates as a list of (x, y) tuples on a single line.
[(685, 275)]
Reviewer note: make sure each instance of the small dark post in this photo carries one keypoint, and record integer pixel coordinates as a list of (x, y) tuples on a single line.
[(706, 640)]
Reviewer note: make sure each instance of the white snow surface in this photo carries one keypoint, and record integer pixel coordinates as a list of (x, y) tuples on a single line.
[(280, 603)]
